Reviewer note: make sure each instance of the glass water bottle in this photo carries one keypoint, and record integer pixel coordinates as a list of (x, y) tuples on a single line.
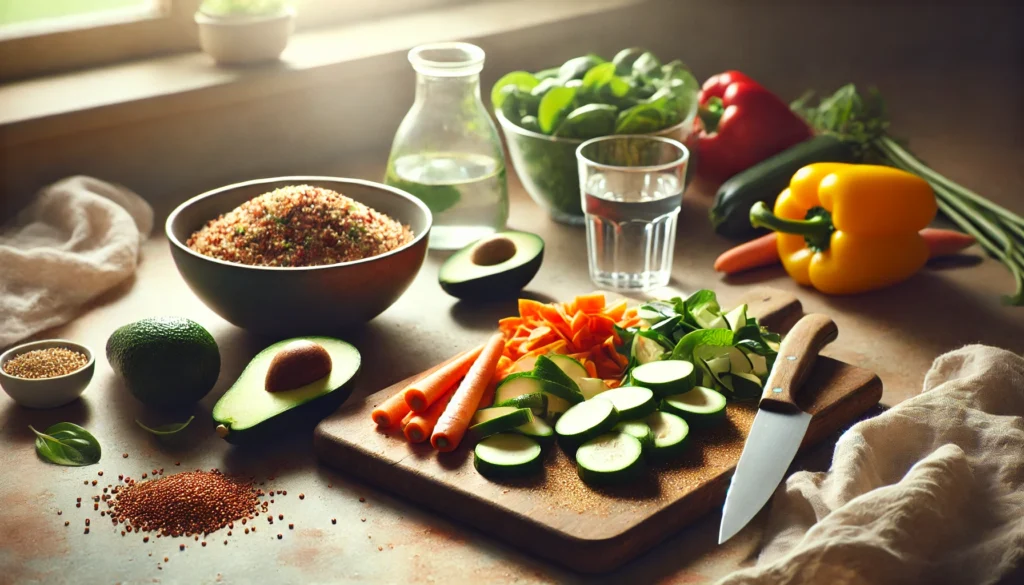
[(447, 151)]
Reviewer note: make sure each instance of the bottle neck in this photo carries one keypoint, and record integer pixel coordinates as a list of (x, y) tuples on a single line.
[(464, 87)]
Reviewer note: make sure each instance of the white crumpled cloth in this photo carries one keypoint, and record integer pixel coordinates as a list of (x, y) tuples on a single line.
[(930, 492), (80, 237)]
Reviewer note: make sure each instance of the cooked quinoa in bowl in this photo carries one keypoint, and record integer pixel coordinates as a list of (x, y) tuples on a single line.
[(299, 226)]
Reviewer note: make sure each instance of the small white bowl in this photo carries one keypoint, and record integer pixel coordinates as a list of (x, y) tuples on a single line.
[(46, 392), (239, 40)]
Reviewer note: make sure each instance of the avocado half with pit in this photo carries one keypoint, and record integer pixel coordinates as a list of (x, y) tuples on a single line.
[(287, 386), (498, 266)]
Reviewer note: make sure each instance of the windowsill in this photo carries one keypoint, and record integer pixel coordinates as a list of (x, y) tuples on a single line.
[(42, 108)]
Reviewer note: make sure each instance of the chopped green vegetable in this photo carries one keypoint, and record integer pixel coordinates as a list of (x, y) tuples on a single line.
[(67, 444), (730, 350)]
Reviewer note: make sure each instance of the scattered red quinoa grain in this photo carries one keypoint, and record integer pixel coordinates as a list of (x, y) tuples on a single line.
[(124, 455), (280, 516), (302, 496), (362, 499), (181, 547), (190, 502), (280, 536), (334, 520), (67, 522), (145, 539), (291, 526)]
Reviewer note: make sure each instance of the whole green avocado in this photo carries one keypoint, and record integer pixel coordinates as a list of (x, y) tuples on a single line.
[(165, 361)]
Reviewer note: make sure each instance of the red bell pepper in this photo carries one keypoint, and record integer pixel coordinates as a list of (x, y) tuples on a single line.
[(742, 123)]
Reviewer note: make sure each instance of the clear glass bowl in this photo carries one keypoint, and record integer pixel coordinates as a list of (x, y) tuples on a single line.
[(547, 165)]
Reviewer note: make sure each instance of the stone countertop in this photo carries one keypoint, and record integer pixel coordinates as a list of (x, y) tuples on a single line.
[(895, 333)]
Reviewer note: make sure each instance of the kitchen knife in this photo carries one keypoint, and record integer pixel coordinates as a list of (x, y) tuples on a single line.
[(779, 426)]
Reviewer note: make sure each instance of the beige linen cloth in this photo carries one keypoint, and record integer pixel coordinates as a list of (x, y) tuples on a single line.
[(80, 237), (930, 492)]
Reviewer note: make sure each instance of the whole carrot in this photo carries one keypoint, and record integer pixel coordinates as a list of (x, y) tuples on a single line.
[(422, 393), (452, 425), (391, 411), (419, 426), (764, 251)]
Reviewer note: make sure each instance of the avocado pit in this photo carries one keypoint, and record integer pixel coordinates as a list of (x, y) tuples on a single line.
[(493, 250), (297, 364)]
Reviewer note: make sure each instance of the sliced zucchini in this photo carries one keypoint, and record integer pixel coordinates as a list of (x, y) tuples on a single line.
[(538, 430), (705, 317), (497, 419), (639, 429), (700, 407), (609, 458), (631, 401), (591, 387), (646, 350), (737, 318), (746, 385), (670, 433), (507, 455), (562, 385), (515, 385), (759, 365), (537, 402), (665, 377), (571, 367), (584, 421), (556, 407)]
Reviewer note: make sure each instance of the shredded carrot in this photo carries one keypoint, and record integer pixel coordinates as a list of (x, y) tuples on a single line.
[(422, 393), (591, 303), (454, 422)]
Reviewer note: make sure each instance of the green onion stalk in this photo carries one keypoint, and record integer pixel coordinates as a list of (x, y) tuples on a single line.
[(861, 121)]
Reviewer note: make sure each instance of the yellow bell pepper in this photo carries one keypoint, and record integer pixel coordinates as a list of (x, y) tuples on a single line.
[(846, 228)]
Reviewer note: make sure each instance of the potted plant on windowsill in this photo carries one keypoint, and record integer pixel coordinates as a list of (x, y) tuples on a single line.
[(237, 32)]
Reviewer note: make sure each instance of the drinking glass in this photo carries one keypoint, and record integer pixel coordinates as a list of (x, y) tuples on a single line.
[(632, 188)]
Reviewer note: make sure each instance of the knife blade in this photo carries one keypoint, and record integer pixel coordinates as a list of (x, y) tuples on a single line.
[(779, 426)]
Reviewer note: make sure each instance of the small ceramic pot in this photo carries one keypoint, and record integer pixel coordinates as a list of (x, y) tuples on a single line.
[(46, 392), (238, 40)]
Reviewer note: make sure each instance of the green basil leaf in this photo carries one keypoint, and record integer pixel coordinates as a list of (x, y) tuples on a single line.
[(578, 67), (647, 65), (168, 429), (589, 121), (691, 341), (599, 76), (521, 80), (554, 108), (625, 58), (67, 444)]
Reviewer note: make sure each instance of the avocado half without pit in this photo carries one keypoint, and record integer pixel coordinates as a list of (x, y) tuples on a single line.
[(287, 386), (498, 266)]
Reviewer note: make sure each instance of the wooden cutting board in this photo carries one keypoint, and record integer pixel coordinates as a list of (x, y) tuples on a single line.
[(556, 515)]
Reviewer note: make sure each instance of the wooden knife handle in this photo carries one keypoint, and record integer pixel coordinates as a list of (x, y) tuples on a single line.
[(796, 357)]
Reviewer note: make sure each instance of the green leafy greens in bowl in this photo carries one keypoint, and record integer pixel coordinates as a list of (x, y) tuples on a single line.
[(547, 114)]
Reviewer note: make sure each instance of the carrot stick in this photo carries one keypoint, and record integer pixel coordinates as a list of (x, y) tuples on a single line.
[(945, 242), (408, 417), (452, 425), (391, 411), (422, 393), (420, 426), (764, 251)]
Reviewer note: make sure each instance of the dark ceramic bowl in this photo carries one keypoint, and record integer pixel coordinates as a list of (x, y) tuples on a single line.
[(300, 301)]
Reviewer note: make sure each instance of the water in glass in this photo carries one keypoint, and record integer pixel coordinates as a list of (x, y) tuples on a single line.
[(631, 228)]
